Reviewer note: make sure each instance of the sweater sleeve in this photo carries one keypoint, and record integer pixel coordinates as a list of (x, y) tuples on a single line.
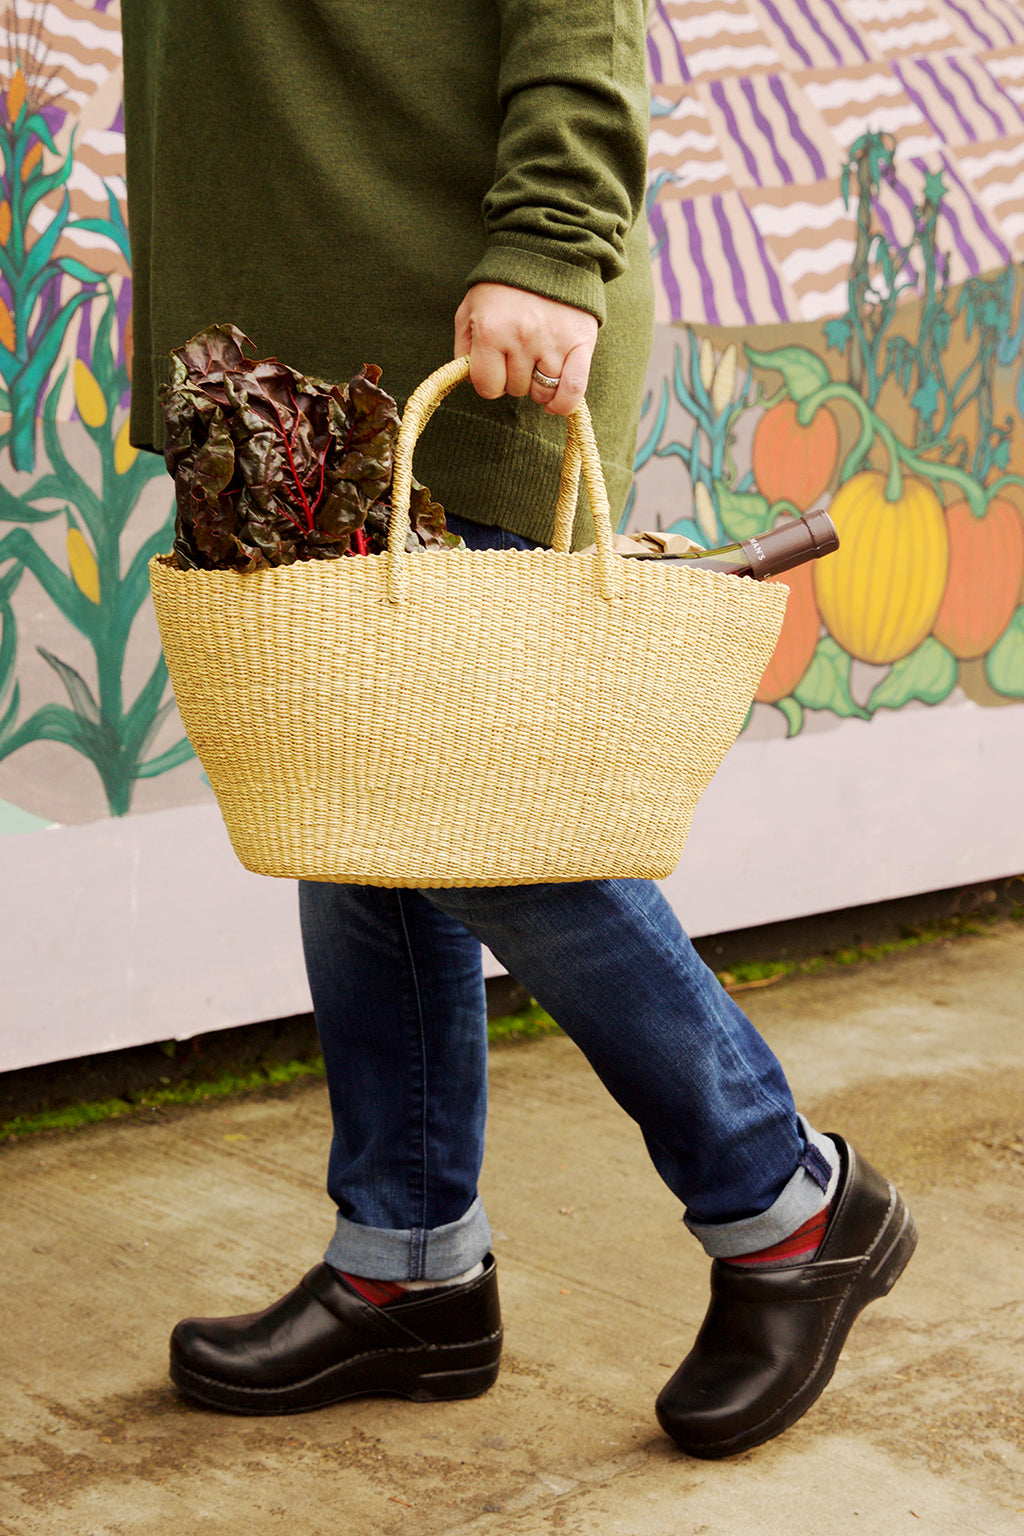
[(572, 149)]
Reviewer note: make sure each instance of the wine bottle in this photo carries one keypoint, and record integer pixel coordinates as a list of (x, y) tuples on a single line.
[(763, 554)]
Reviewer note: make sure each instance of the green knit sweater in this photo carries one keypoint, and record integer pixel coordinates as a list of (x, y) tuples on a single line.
[(331, 176)]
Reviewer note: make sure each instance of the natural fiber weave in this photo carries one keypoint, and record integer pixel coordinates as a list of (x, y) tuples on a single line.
[(464, 718)]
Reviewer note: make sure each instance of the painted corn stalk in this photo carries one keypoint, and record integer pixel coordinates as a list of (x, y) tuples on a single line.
[(64, 382), (95, 591)]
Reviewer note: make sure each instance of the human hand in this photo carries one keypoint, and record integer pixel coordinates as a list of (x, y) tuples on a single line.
[(507, 332)]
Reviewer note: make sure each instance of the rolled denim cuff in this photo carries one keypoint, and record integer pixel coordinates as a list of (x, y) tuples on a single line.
[(808, 1191), (380, 1253)]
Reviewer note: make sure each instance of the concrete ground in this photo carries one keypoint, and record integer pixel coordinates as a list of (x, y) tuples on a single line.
[(110, 1234)]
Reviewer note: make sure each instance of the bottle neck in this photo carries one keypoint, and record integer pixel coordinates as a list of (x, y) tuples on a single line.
[(779, 549)]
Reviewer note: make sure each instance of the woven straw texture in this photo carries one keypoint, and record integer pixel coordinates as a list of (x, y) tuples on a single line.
[(464, 718)]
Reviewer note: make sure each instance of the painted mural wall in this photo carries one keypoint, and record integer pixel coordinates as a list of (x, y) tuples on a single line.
[(836, 204)]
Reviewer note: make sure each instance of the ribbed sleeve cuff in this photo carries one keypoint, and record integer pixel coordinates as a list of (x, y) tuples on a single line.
[(516, 261)]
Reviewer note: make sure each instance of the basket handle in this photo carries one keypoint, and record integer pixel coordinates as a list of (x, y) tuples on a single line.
[(580, 451)]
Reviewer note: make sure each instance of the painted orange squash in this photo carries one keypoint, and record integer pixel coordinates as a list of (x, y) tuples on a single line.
[(792, 462), (986, 567), (1020, 595), (879, 593), (795, 647)]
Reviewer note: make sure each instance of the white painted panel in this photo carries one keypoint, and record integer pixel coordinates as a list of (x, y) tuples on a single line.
[(921, 799), (135, 930), (124, 932)]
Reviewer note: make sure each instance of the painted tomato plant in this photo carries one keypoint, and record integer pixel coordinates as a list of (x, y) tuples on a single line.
[(986, 572), (793, 462)]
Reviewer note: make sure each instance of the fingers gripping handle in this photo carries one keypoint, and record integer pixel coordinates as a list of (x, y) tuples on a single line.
[(580, 452)]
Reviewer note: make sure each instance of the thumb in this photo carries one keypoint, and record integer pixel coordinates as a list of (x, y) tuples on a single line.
[(463, 333)]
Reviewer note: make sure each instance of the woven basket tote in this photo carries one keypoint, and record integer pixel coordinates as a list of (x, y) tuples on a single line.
[(464, 717)]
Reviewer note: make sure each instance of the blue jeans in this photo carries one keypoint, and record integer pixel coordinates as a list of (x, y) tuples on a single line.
[(398, 991)]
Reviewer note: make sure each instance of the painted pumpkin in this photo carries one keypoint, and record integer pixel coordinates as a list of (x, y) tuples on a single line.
[(1020, 594), (792, 462), (986, 568), (796, 643), (879, 593)]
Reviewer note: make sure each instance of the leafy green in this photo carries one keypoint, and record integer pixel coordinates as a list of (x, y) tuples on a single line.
[(826, 683), (271, 467), (929, 673), (743, 513), (803, 371), (1004, 664)]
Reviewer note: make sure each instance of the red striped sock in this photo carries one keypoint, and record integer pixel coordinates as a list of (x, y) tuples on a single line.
[(380, 1292), (798, 1248)]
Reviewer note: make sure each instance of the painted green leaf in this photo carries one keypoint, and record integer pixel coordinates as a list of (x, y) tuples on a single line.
[(36, 124), (83, 701), (38, 267), (837, 335), (793, 711), (926, 399), (928, 674), (743, 513), (10, 715), (8, 629), (1004, 664), (180, 753), (40, 185), (19, 509), (803, 372), (76, 269), (826, 683)]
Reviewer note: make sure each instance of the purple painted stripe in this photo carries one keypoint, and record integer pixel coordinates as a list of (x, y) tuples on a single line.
[(848, 28), (998, 89), (771, 275), (968, 19), (945, 94), (808, 146), (1001, 126), (659, 230), (991, 235), (914, 95), (83, 346), (788, 33), (124, 310), (654, 60), (660, 10), (696, 247), (735, 133), (761, 122), (739, 281)]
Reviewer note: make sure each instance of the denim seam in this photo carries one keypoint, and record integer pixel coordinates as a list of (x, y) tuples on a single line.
[(418, 1236)]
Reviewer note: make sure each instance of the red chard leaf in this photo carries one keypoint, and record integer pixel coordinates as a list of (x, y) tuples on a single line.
[(271, 467)]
